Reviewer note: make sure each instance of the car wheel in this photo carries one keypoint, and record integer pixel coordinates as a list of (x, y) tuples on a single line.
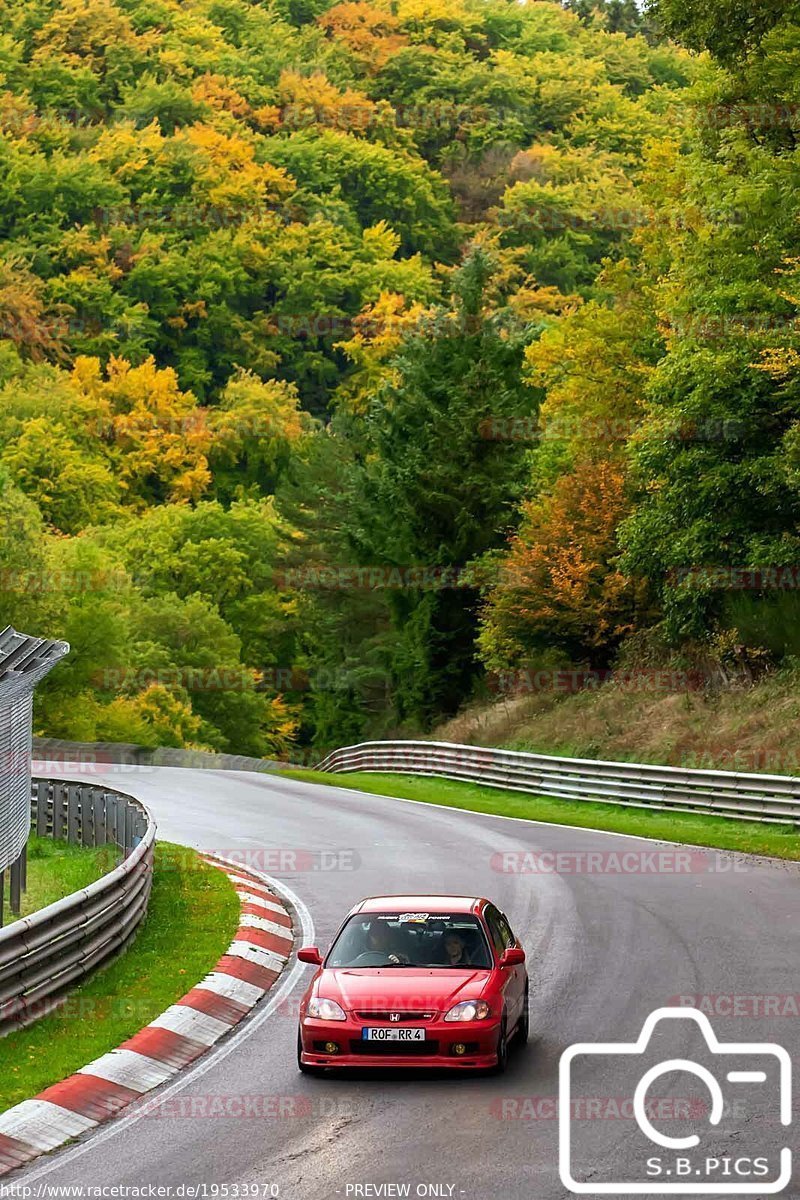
[(302, 1067), (502, 1050), (524, 1026)]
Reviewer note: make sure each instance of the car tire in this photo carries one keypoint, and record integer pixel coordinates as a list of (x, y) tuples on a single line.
[(302, 1067), (524, 1026), (502, 1051)]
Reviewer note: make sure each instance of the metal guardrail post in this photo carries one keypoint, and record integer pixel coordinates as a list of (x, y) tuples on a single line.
[(112, 813), (15, 888), (17, 881), (59, 810), (43, 806), (73, 815), (99, 819)]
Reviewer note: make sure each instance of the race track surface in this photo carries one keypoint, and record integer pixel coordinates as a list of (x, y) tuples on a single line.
[(606, 947)]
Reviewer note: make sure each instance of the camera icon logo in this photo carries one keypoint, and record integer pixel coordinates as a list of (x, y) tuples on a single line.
[(681, 1165)]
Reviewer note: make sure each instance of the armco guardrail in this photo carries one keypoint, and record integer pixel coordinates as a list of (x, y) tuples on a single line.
[(749, 797), (55, 752), (43, 955)]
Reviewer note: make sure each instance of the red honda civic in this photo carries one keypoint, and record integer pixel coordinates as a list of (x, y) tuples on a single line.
[(433, 981)]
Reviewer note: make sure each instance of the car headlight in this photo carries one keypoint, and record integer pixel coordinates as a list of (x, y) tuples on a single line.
[(326, 1010), (468, 1010)]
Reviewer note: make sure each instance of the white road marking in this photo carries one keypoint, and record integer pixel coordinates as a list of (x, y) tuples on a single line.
[(192, 1023), (240, 881), (249, 921), (131, 1069), (42, 1124), (232, 988), (250, 898), (258, 955)]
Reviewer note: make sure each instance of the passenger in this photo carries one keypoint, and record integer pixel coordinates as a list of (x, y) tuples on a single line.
[(455, 950)]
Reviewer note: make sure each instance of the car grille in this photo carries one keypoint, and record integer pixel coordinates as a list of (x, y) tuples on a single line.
[(394, 1049), (394, 1016)]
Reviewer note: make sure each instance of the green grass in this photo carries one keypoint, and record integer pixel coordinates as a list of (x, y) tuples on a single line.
[(726, 834), (192, 917), (56, 869)]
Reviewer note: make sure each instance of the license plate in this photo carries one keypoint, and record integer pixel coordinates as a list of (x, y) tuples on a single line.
[(391, 1033)]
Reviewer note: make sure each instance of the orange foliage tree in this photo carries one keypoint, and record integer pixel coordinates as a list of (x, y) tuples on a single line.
[(370, 34), (558, 583)]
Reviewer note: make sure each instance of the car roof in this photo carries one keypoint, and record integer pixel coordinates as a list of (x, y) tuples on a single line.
[(434, 904)]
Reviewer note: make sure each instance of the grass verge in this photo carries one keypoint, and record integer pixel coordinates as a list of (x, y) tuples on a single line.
[(720, 832), (56, 869), (192, 917)]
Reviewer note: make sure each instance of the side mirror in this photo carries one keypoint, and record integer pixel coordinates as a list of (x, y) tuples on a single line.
[(310, 954), (514, 957)]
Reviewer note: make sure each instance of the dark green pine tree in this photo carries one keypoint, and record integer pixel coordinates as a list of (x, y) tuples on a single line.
[(432, 490)]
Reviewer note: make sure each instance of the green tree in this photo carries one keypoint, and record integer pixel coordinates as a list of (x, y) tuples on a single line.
[(730, 29), (431, 487), (22, 557), (71, 488)]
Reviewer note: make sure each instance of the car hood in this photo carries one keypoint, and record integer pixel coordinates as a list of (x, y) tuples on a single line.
[(414, 988)]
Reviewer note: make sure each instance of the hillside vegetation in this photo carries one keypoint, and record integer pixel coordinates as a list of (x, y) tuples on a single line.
[(755, 728), (354, 355)]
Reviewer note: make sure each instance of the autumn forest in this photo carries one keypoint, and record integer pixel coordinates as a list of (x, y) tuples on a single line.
[(355, 357)]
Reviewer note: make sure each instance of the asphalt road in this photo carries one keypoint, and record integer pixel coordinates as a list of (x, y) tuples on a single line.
[(606, 948)]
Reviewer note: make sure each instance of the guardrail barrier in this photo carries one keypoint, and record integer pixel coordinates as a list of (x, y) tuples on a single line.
[(748, 797), (43, 955)]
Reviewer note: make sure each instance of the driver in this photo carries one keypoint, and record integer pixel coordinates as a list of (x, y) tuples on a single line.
[(378, 936), (380, 941)]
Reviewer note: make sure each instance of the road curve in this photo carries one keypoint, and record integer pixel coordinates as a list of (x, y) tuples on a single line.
[(605, 949)]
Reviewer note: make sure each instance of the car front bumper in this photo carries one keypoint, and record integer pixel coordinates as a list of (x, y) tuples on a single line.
[(440, 1048)]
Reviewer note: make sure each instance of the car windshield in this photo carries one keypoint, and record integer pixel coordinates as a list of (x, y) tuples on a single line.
[(411, 940)]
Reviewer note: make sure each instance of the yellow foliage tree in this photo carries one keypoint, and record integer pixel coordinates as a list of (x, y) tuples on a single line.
[(158, 437), (228, 174), (313, 100)]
